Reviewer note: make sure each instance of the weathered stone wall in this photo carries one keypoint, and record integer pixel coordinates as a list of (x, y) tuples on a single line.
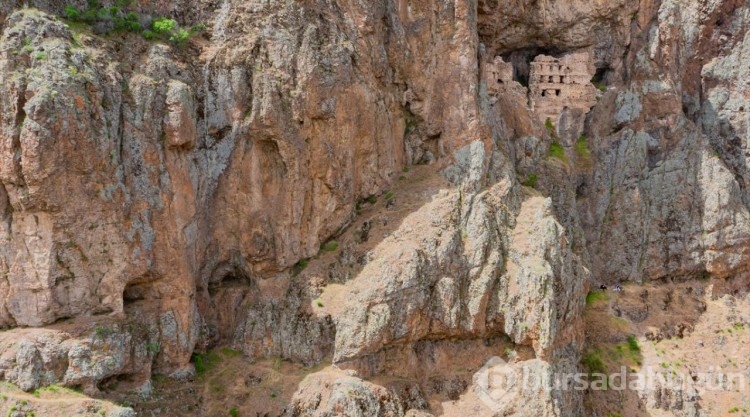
[(559, 83)]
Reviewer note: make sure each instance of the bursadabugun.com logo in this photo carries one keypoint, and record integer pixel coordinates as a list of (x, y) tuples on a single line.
[(498, 383)]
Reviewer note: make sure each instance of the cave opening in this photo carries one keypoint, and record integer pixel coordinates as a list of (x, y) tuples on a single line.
[(140, 289), (601, 76), (133, 293), (117, 381), (232, 278)]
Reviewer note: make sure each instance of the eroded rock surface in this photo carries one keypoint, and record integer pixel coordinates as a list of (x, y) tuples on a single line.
[(251, 187)]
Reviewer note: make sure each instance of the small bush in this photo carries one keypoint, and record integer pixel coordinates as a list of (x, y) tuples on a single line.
[(330, 246), (530, 181), (203, 362), (163, 26), (319, 303), (180, 36), (299, 266), (601, 87), (582, 146), (594, 363), (72, 13), (198, 29), (120, 19), (40, 56), (633, 344), (389, 195), (594, 296), (557, 151), (234, 412)]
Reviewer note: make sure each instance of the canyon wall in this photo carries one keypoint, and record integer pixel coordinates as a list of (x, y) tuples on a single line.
[(159, 200)]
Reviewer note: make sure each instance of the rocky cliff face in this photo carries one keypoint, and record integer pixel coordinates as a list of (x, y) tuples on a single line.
[(250, 187)]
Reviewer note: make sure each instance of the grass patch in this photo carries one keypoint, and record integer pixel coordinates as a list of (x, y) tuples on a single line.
[(633, 343), (330, 246), (300, 266), (530, 181), (593, 362), (557, 151), (228, 352), (582, 146), (595, 296), (319, 303), (389, 196), (234, 412), (601, 87), (204, 362)]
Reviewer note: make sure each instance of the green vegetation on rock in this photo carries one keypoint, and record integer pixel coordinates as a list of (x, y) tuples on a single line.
[(118, 18)]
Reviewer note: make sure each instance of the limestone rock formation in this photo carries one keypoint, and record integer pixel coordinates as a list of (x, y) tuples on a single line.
[(369, 184)]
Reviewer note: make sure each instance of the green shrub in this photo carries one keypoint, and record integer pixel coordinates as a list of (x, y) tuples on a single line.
[(389, 195), (594, 296), (163, 26), (198, 29), (582, 146), (72, 13), (234, 412), (204, 361), (530, 181), (299, 267), (633, 344), (594, 363), (557, 151), (121, 19), (319, 303), (180, 36), (330, 246)]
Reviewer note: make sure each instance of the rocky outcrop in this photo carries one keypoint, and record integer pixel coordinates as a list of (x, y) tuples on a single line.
[(187, 187), (667, 199)]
